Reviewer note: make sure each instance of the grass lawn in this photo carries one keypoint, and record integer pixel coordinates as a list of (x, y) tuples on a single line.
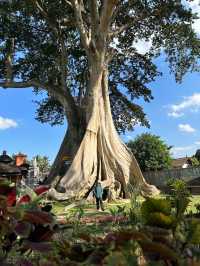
[(195, 200), (59, 208), (91, 216)]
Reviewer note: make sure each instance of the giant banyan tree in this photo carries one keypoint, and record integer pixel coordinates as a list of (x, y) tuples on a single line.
[(83, 54)]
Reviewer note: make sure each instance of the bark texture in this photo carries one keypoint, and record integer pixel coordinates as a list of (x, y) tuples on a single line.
[(69, 147), (101, 155)]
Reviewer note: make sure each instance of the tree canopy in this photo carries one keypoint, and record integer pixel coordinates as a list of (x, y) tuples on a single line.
[(40, 47), (151, 152)]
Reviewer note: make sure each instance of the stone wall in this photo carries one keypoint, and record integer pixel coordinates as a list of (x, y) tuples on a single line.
[(160, 178)]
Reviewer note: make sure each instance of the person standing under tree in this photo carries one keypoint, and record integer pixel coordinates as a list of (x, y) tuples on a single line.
[(98, 193)]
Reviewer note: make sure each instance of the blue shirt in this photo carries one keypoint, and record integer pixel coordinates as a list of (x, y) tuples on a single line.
[(98, 191)]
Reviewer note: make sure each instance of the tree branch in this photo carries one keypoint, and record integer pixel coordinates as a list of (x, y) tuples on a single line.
[(119, 6), (10, 43), (63, 64), (106, 14), (131, 23), (62, 96), (95, 20), (132, 106), (45, 16), (120, 29), (42, 11), (78, 7), (68, 3), (35, 84), (20, 84)]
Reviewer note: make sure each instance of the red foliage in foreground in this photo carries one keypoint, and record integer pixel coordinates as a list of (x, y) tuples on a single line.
[(41, 189), (33, 225), (24, 199), (11, 197)]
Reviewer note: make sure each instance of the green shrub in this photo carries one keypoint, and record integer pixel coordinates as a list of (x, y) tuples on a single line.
[(156, 205), (197, 206), (194, 232), (161, 220), (180, 197)]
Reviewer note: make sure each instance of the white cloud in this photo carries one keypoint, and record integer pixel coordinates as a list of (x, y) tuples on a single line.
[(183, 151), (195, 6), (191, 103), (174, 114), (6, 123), (189, 150), (196, 26), (142, 46), (186, 128)]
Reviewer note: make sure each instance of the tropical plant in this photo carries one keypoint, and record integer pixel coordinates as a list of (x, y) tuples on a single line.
[(118, 213), (194, 161), (135, 204), (180, 196), (24, 227), (197, 206)]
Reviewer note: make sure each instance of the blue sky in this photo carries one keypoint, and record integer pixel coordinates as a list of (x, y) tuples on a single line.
[(174, 114), (19, 131)]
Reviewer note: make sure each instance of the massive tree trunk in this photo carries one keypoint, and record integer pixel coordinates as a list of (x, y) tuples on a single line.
[(68, 149), (101, 155)]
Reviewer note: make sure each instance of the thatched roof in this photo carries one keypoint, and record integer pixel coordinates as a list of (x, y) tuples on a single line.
[(178, 163), (9, 170), (4, 158)]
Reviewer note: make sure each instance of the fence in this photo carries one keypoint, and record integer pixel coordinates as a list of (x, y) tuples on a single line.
[(160, 178)]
